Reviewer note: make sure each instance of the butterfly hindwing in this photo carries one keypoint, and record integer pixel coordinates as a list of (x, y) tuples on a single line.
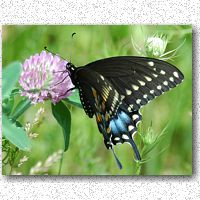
[(114, 120), (123, 127)]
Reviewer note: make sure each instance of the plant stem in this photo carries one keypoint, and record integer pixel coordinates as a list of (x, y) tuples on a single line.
[(10, 173), (13, 158), (61, 161), (138, 168), (20, 109)]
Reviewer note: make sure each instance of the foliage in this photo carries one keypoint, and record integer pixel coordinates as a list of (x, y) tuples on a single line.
[(13, 131)]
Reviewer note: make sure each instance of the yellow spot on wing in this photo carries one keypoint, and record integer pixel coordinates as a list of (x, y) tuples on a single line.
[(95, 95), (105, 93), (103, 106), (94, 92), (108, 130), (106, 117), (104, 98)]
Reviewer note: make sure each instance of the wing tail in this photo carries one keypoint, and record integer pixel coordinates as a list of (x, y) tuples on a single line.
[(116, 158), (135, 149)]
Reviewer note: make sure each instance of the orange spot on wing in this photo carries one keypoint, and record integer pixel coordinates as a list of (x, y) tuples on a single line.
[(95, 95), (99, 118)]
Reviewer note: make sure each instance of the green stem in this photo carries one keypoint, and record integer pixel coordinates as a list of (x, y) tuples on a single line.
[(10, 173), (138, 168), (20, 109), (7, 154), (13, 158), (61, 161)]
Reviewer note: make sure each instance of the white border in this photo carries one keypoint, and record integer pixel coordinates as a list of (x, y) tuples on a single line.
[(109, 12)]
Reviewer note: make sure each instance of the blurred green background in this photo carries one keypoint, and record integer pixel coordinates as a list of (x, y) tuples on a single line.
[(87, 154)]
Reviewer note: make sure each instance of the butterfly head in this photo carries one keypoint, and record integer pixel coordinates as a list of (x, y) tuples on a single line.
[(70, 67)]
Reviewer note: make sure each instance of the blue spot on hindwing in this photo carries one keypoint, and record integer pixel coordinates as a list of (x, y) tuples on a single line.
[(125, 117), (120, 125), (113, 127)]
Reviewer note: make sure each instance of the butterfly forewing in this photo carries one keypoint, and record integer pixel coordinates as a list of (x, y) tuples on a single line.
[(139, 79), (96, 93)]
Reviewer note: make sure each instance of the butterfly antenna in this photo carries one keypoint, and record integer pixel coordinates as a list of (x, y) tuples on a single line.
[(45, 48), (117, 160), (72, 44)]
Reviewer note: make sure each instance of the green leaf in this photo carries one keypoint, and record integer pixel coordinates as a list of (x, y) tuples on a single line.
[(21, 107), (15, 135), (14, 92), (74, 99), (7, 105), (10, 76), (63, 117)]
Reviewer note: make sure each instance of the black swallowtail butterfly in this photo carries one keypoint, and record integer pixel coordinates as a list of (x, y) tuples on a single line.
[(114, 89)]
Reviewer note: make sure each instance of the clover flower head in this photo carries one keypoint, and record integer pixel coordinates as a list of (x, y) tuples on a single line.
[(44, 77)]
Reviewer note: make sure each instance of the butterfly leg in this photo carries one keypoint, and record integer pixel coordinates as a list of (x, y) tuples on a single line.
[(61, 80), (67, 92)]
